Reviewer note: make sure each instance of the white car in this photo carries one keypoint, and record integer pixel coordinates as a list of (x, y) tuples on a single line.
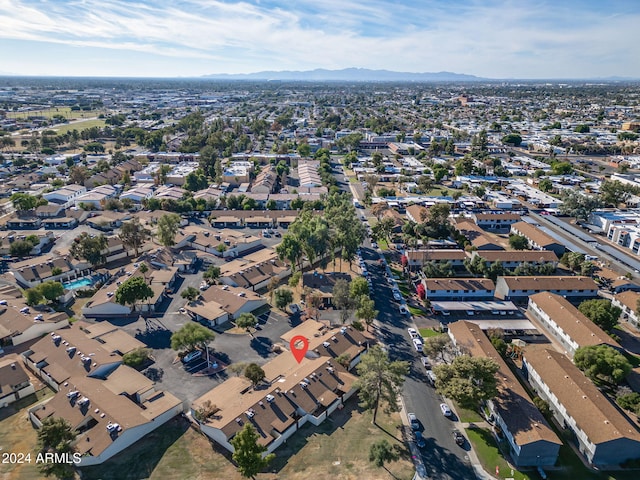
[(397, 296), (413, 333), (3, 302), (446, 411), (374, 245), (24, 310), (417, 344)]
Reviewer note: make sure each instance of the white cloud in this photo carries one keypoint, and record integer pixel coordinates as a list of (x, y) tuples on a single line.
[(497, 39)]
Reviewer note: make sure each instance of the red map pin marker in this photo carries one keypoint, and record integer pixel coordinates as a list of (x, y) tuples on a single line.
[(298, 350)]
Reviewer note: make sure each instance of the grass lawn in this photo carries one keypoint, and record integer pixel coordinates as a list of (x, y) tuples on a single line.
[(382, 243), (337, 449), (78, 126), (415, 310), (468, 416), (18, 435), (489, 455), (50, 112), (428, 332)]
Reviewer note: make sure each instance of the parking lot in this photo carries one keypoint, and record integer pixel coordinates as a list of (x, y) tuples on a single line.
[(186, 380)]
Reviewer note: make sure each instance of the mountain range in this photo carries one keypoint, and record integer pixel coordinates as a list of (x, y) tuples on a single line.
[(349, 75)]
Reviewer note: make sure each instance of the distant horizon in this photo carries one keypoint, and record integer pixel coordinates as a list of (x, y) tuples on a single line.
[(254, 76), (496, 39)]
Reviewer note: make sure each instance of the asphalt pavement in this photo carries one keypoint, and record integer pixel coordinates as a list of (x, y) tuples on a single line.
[(442, 457)]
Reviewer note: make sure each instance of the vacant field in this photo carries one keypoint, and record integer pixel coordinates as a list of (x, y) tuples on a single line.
[(336, 450), (50, 112), (81, 125), (17, 435)]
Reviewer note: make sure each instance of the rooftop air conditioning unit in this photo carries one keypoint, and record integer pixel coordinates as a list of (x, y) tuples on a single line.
[(343, 330), (83, 401), (72, 394), (250, 414), (304, 384), (326, 344), (330, 369), (270, 398)]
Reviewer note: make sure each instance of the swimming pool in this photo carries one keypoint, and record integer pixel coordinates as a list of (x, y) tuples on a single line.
[(78, 283)]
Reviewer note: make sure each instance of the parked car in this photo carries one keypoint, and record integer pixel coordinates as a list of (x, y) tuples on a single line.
[(425, 362), (417, 344), (420, 440), (413, 333), (446, 411), (458, 437), (374, 245), (295, 308), (413, 421), (397, 296), (191, 356), (182, 310), (403, 310), (431, 378)]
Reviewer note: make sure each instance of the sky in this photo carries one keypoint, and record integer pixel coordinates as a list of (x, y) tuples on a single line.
[(524, 39)]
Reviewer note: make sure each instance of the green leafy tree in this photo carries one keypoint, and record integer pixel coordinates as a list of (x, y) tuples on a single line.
[(254, 373), (290, 249), (90, 248), (582, 128), (438, 345), (366, 310), (577, 205), (137, 357), (32, 296), (20, 248), (190, 336), (51, 290), (358, 288), (512, 139), (134, 235), (382, 452), (132, 291), (23, 201), (168, 226), (602, 364), (518, 242), (468, 380), (546, 185), (601, 312), (380, 380), (614, 192), (630, 401), (342, 298), (282, 297), (212, 273), (246, 321), (190, 293), (195, 181), (247, 453), (56, 436)]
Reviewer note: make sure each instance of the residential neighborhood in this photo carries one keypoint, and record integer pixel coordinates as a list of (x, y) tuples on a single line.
[(460, 269)]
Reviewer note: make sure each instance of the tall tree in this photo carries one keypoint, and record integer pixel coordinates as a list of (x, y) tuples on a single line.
[(133, 234), (168, 226), (366, 311), (132, 291), (290, 249), (601, 312), (282, 297), (380, 380), (438, 345), (90, 248), (247, 321), (382, 452), (518, 242), (602, 364), (190, 293), (468, 380), (254, 373), (56, 436), (248, 454), (342, 298), (190, 336)]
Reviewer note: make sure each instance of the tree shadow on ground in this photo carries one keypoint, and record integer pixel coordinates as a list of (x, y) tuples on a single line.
[(262, 345)]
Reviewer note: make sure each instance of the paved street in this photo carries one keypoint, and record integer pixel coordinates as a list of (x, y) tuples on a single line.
[(443, 459)]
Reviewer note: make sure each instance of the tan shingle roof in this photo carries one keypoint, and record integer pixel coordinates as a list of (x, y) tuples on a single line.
[(573, 322), (593, 412), (524, 420)]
